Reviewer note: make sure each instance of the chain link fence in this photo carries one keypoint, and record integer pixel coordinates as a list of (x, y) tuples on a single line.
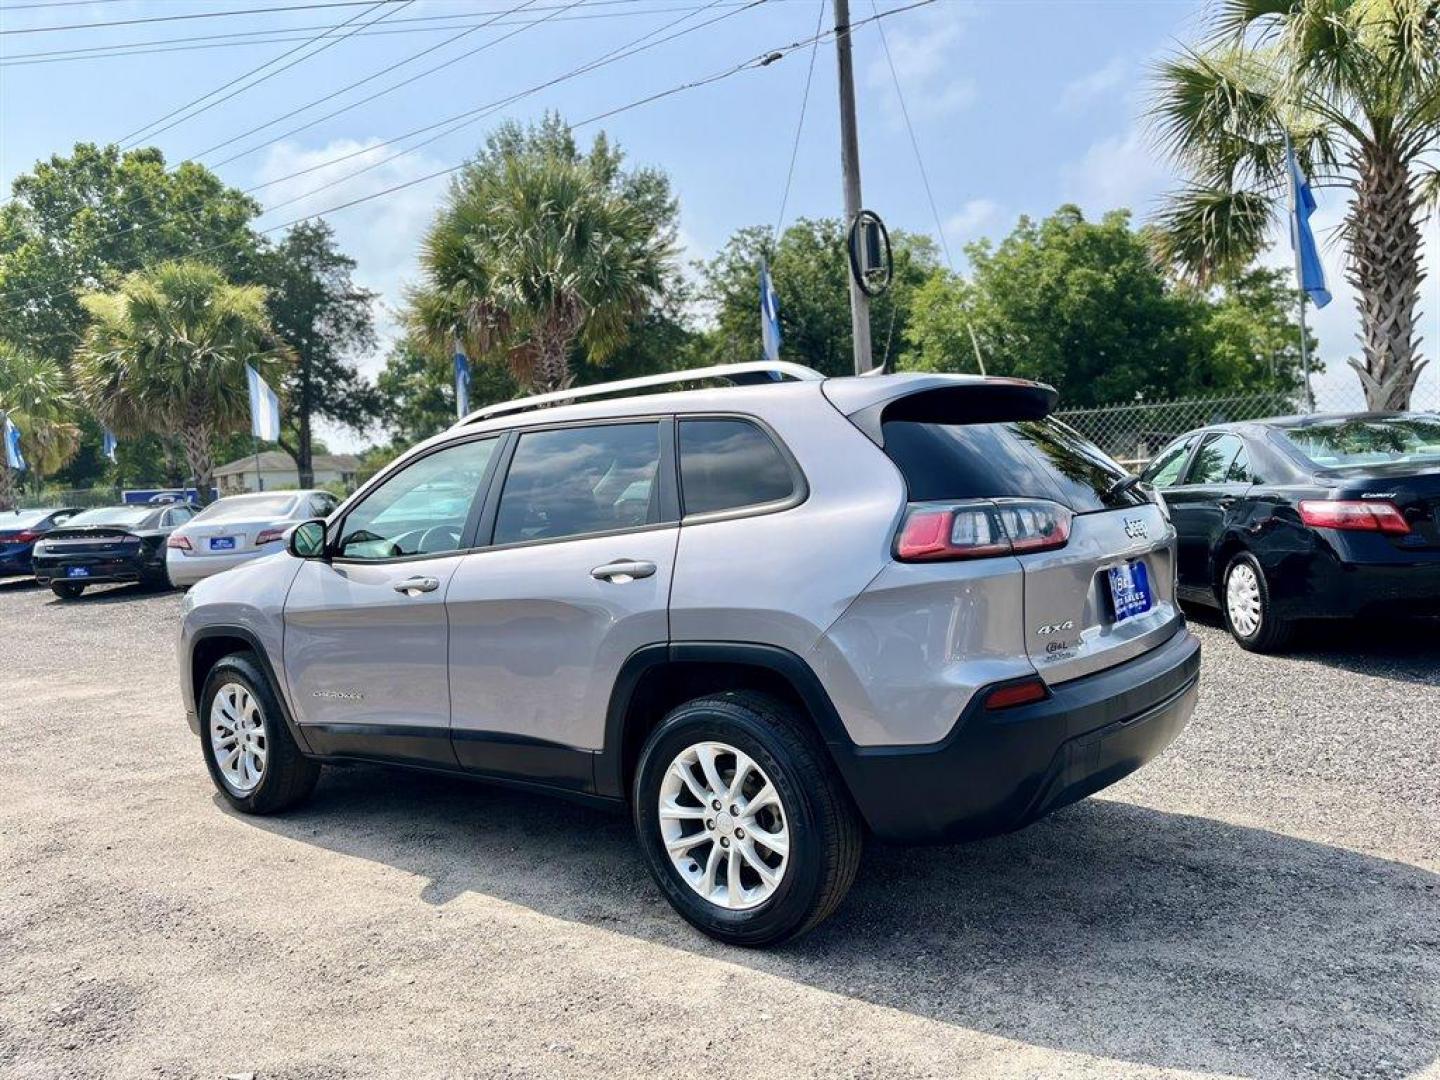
[(1133, 434)]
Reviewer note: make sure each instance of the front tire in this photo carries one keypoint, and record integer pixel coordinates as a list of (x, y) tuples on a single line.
[(1250, 614), (251, 756), (743, 820), (66, 591)]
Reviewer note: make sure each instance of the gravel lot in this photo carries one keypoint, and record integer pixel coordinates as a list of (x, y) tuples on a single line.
[(1263, 901)]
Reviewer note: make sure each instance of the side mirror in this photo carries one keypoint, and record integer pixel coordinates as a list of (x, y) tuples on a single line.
[(307, 540)]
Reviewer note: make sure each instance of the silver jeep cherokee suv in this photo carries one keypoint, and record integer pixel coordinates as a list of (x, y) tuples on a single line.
[(768, 616)]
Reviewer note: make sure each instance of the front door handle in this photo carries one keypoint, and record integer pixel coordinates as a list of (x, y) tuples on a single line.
[(416, 585), (1227, 501), (623, 570)]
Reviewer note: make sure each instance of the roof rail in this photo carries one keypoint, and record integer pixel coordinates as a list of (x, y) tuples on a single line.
[(756, 371)]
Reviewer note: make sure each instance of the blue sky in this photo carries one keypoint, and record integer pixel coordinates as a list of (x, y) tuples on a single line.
[(1019, 106)]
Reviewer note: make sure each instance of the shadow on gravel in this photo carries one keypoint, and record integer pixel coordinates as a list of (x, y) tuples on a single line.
[(1108, 929), (18, 585), (112, 594), (1403, 649)]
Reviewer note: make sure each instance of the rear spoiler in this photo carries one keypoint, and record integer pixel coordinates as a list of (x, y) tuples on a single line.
[(938, 399)]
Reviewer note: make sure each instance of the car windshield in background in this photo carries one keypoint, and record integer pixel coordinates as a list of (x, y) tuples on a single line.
[(23, 519), (112, 515), (1369, 440), (1040, 459), (248, 508)]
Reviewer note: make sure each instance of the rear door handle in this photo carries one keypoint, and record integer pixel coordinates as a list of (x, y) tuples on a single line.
[(1227, 501), (623, 570), (416, 585)]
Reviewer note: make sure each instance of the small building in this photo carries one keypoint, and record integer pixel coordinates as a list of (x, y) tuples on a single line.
[(277, 471)]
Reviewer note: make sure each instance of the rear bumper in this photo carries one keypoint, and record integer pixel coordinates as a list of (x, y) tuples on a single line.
[(184, 570), (1331, 589), (100, 570), (1001, 770), (14, 561)]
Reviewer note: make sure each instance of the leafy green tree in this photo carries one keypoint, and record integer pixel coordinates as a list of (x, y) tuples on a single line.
[(1081, 305), (80, 223), (36, 396), (417, 385), (326, 320), (540, 248), (166, 353), (1355, 86), (810, 268)]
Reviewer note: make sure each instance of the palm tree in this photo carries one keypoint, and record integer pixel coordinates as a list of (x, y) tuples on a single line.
[(1355, 86), (539, 248), (166, 353), (36, 396)]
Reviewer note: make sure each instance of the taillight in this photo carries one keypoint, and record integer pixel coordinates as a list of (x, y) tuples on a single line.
[(179, 543), (1354, 515), (977, 530), (267, 536), (22, 537)]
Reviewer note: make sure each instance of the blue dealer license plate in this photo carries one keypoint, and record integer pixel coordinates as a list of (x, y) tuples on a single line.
[(77, 571), (1130, 590), (222, 543)]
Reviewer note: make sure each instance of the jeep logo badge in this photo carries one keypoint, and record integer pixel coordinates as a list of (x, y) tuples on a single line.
[(1135, 528)]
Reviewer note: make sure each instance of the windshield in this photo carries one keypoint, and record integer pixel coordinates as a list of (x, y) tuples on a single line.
[(247, 507), (112, 515), (1368, 440), (23, 519)]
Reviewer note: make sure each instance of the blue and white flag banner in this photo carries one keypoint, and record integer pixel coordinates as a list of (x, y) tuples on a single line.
[(462, 381), (264, 408), (107, 443), (1308, 268), (769, 315), (13, 457)]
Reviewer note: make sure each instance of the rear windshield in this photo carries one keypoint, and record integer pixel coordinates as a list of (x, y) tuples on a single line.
[(258, 507), (1360, 441), (1036, 459), (23, 519), (112, 515)]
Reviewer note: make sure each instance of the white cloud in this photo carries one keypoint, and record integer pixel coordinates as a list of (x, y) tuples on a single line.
[(926, 63), (1088, 89), (973, 217), (1122, 170), (382, 235)]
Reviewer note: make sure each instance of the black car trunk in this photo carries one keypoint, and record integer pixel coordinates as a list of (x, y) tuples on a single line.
[(1415, 493)]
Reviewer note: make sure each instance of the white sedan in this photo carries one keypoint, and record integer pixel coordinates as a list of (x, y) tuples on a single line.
[(237, 529)]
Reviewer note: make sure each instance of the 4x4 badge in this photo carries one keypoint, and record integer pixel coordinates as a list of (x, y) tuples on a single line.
[(1135, 528)]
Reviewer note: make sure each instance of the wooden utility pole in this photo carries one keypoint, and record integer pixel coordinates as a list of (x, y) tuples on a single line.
[(850, 166)]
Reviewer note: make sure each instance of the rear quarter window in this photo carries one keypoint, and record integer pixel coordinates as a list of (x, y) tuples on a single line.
[(729, 464), (1035, 459)]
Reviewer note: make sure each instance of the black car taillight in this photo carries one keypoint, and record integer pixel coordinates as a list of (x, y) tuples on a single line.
[(981, 529), (1354, 515)]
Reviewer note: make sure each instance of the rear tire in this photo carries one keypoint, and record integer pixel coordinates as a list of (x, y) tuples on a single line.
[(248, 749), (1249, 612), (66, 591), (779, 779)]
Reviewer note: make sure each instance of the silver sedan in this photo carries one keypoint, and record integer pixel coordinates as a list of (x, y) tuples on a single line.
[(237, 529)]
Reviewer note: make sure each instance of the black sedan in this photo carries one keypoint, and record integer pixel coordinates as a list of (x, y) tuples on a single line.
[(1306, 518), (113, 543), (19, 529)]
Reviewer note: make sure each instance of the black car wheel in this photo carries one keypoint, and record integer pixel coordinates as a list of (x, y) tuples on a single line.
[(66, 590), (1249, 614), (743, 820), (248, 749)]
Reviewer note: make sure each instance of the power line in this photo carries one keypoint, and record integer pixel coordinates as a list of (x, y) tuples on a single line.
[(153, 127), (191, 15), (758, 61), (914, 143), (800, 124), (243, 38), (370, 78), (54, 4)]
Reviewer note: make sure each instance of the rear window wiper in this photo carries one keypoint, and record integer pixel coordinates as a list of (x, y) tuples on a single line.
[(1115, 490)]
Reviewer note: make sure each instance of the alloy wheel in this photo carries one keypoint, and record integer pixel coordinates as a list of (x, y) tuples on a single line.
[(237, 737), (724, 825), (1242, 599)]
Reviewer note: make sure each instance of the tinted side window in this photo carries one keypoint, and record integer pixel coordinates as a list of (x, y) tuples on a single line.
[(576, 481), (1165, 469), (422, 509), (726, 464), (1239, 471), (1212, 463)]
